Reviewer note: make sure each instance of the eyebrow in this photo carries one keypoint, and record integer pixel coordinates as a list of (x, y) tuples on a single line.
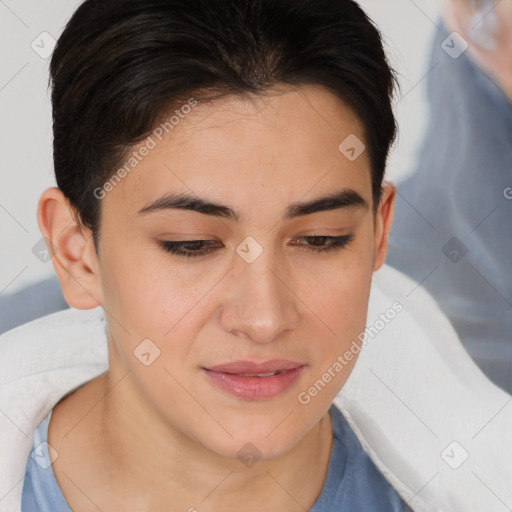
[(345, 198)]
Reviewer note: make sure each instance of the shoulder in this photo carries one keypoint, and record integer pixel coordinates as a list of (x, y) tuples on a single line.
[(40, 362), (40, 488), (363, 483)]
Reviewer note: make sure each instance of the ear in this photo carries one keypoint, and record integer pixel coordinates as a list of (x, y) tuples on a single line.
[(72, 250), (383, 221)]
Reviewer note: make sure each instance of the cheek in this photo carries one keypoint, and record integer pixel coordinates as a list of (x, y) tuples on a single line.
[(342, 288), (343, 307), (149, 294), (340, 299)]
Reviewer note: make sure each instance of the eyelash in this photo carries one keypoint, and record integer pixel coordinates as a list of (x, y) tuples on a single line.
[(177, 248)]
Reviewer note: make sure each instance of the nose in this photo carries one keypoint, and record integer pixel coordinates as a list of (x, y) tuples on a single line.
[(261, 303)]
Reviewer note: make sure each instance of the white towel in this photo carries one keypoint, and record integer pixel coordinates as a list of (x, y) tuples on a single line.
[(434, 425)]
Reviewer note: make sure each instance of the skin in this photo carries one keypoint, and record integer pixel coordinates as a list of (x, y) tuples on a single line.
[(162, 437)]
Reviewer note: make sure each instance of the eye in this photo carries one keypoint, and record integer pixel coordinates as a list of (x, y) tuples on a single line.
[(324, 243), (189, 248), (198, 248)]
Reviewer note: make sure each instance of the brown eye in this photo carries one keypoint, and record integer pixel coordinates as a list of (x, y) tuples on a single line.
[(189, 248), (324, 243)]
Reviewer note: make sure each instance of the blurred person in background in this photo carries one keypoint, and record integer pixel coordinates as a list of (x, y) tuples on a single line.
[(453, 216)]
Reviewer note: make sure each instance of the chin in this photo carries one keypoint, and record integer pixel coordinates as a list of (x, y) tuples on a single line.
[(253, 438), (249, 450)]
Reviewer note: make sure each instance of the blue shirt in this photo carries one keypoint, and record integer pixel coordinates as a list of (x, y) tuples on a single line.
[(353, 482)]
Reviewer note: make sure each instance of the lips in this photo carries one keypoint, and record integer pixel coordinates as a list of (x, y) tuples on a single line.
[(255, 381), (251, 368)]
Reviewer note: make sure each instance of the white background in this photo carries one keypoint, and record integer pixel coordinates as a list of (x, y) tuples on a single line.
[(26, 167)]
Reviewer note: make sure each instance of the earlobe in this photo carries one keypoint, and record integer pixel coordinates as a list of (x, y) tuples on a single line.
[(71, 249), (383, 222)]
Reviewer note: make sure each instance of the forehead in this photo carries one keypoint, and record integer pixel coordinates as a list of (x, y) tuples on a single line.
[(253, 150), (282, 114)]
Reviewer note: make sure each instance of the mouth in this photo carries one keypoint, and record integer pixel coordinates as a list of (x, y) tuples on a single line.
[(270, 374), (255, 381), (252, 368)]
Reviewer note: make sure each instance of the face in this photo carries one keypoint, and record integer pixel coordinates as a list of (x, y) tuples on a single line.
[(277, 275)]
